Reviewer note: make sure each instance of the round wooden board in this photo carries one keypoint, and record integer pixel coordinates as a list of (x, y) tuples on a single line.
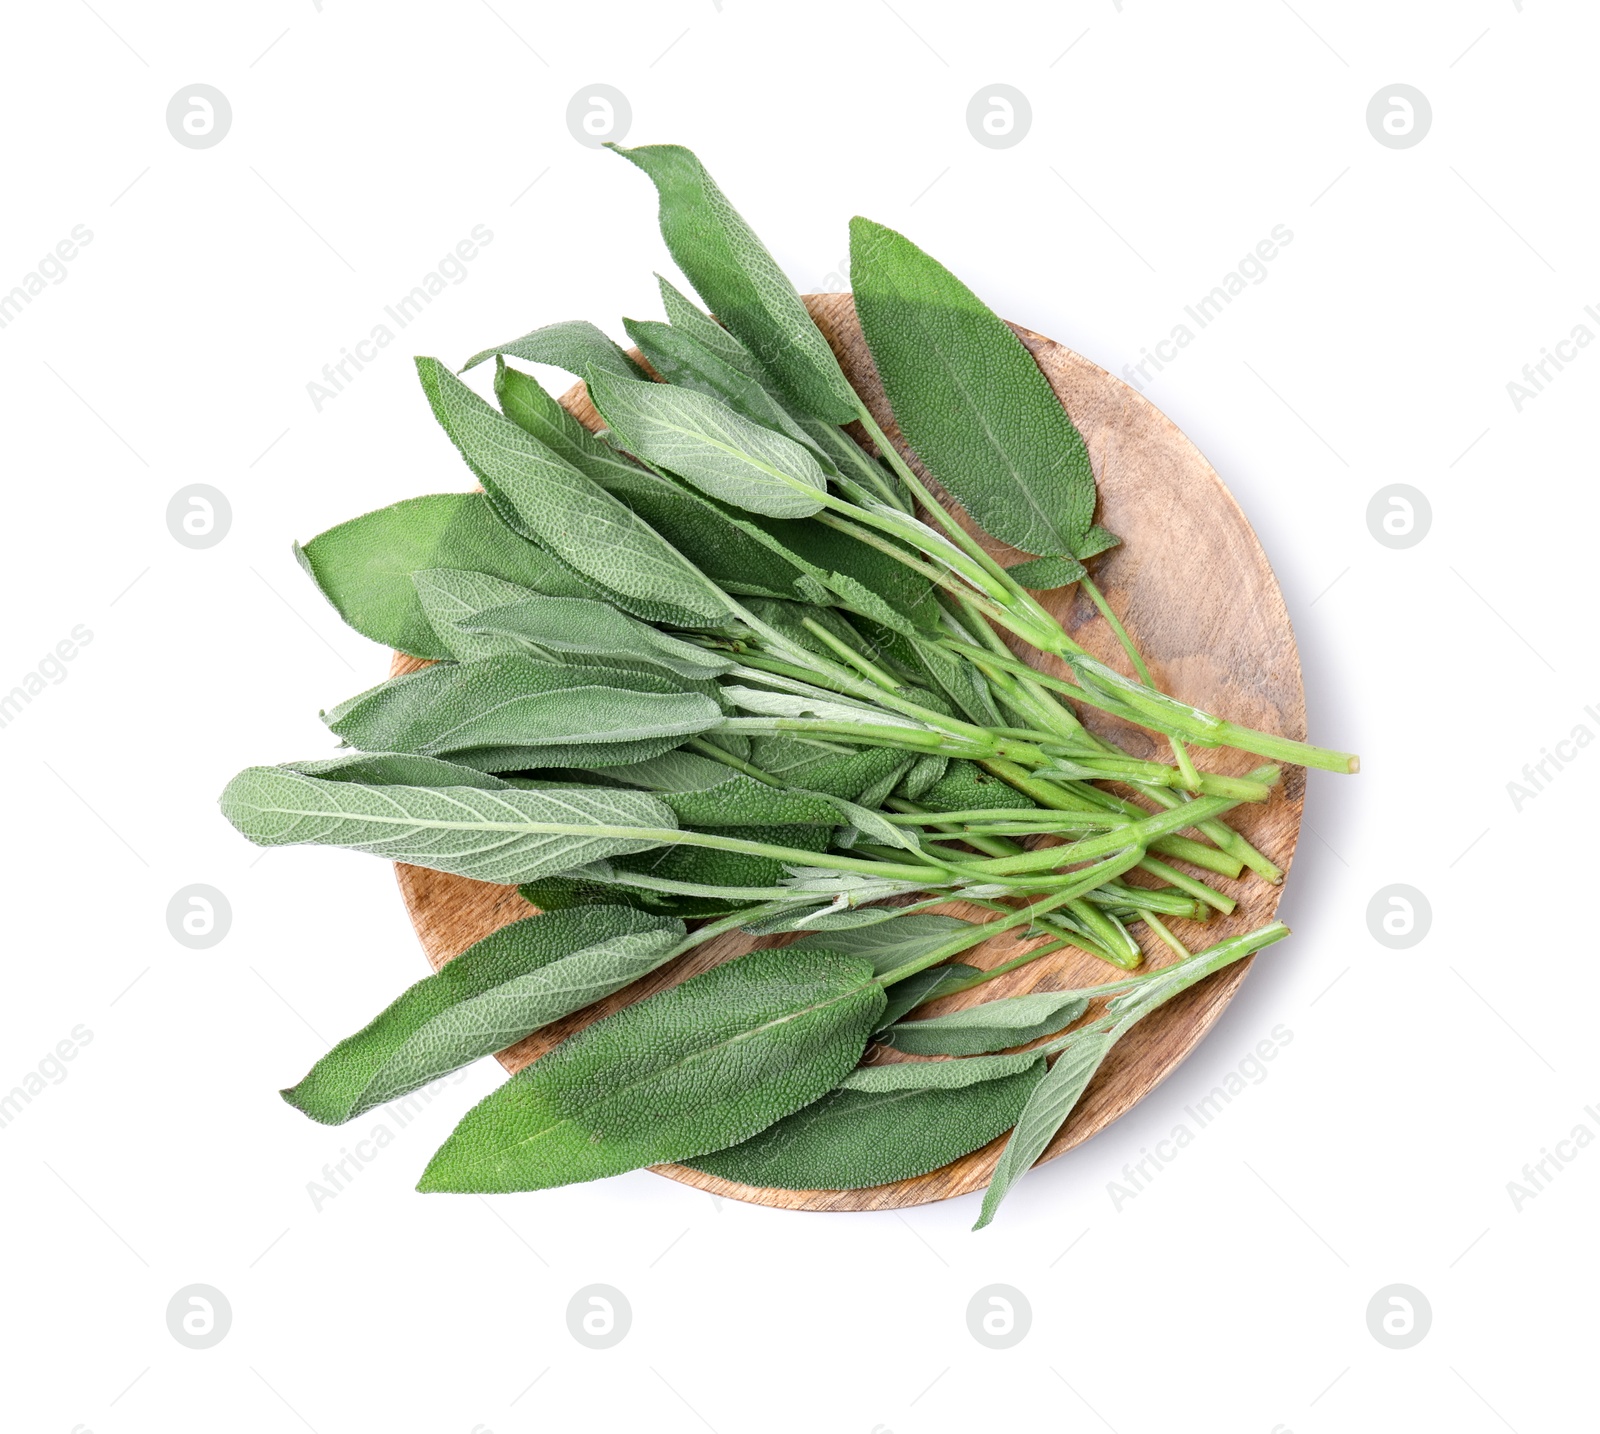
[(1194, 589)]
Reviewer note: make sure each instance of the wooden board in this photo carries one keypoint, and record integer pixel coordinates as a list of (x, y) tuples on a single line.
[(1194, 589)]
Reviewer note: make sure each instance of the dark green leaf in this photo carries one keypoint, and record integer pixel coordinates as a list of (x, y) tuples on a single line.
[(576, 345), (580, 625), (519, 701), (966, 787), (852, 1139), (1049, 1104), (568, 514), (893, 943), (970, 399), (695, 1068), (713, 540), (494, 993), (704, 793), (363, 567), (990, 1026), (742, 283), (910, 993)]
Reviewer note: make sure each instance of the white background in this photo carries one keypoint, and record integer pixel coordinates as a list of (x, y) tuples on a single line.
[(1167, 139)]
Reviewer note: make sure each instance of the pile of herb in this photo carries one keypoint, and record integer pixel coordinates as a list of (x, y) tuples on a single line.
[(723, 666)]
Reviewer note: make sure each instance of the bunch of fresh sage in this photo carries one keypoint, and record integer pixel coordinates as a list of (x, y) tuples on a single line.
[(723, 666)]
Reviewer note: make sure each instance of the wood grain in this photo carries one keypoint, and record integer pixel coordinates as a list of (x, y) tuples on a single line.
[(1195, 591)]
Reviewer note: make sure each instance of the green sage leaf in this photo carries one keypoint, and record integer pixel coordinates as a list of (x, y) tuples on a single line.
[(703, 792), (991, 1026), (494, 993), (707, 443), (742, 283), (576, 345), (396, 769), (582, 626), (969, 398), (499, 836), (568, 514), (854, 1138), (519, 701), (685, 362), (893, 943), (908, 994), (697, 1067), (1048, 1106), (364, 566), (939, 1075)]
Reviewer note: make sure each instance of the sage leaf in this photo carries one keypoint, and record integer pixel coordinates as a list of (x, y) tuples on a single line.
[(363, 567), (925, 771), (863, 822), (990, 1026), (494, 993), (859, 776), (452, 597), (707, 443), (789, 704), (742, 283), (718, 543), (854, 1138), (694, 323), (396, 769), (686, 881), (576, 345), (969, 398), (568, 514), (583, 626), (540, 415), (1048, 1106), (697, 1067), (940, 1075), (519, 701), (893, 943), (815, 918), (1043, 574), (703, 792), (501, 836), (966, 787), (683, 361), (914, 990)]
